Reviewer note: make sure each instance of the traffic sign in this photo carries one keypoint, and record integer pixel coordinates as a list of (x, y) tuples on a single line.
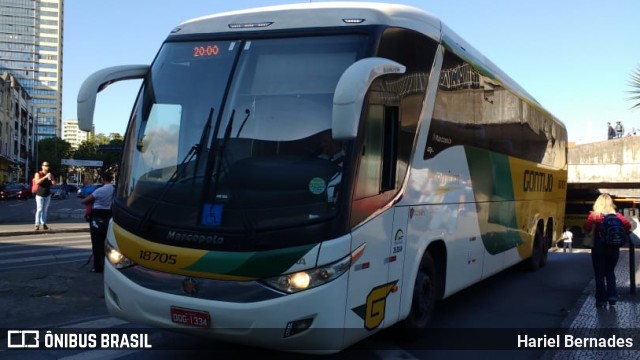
[(73, 162)]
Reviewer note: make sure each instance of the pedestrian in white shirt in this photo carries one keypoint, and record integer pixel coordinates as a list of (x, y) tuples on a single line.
[(101, 200), (567, 240)]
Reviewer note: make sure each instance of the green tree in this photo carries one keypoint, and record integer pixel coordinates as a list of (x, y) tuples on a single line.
[(635, 83), (107, 149), (115, 137), (101, 139), (87, 150), (53, 150), (112, 153)]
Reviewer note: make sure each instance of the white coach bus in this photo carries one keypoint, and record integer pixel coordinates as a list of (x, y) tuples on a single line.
[(299, 177)]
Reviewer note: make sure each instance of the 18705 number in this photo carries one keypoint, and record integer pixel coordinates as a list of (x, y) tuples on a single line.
[(158, 257)]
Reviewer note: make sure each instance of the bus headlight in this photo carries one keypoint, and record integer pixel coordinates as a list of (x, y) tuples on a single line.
[(307, 279), (303, 280), (116, 258)]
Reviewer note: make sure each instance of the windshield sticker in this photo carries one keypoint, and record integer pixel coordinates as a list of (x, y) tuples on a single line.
[(211, 214), (317, 185)]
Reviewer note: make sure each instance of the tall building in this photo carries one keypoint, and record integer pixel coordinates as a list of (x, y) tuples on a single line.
[(72, 134), (16, 131), (31, 34)]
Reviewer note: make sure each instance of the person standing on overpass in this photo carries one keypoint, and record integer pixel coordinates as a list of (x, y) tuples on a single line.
[(611, 132), (619, 129)]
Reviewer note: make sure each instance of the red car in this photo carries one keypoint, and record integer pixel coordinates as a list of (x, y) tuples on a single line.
[(15, 191)]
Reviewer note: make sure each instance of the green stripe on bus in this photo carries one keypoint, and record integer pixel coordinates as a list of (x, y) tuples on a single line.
[(493, 190), (259, 264)]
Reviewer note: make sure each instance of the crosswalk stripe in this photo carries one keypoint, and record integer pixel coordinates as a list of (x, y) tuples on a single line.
[(82, 259), (43, 250), (101, 323), (41, 258), (58, 246), (31, 239)]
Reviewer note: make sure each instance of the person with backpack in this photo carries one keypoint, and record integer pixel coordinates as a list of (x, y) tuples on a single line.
[(611, 229), (619, 129)]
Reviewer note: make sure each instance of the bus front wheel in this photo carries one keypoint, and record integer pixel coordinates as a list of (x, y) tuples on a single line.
[(423, 300)]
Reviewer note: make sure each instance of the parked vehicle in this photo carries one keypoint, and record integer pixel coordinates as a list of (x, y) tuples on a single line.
[(72, 188), (15, 191), (59, 192)]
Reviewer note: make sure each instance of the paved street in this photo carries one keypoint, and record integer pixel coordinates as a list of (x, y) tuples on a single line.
[(44, 249), (45, 296), (18, 212), (47, 281)]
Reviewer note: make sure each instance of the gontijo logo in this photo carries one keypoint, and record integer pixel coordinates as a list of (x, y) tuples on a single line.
[(537, 181)]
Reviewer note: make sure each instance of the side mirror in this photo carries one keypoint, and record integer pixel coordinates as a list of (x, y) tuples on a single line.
[(350, 92), (98, 81)]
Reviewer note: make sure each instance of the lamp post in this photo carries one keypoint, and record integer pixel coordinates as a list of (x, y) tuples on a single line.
[(35, 139), (29, 153)]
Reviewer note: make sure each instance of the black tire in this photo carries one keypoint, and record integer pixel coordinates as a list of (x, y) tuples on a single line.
[(423, 300), (537, 255), (546, 244)]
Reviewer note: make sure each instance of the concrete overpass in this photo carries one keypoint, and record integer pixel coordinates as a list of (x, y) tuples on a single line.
[(610, 164)]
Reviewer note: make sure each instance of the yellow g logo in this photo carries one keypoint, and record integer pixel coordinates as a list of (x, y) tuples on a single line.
[(376, 302)]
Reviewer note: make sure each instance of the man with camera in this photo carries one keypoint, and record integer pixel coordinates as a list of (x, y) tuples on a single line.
[(43, 180)]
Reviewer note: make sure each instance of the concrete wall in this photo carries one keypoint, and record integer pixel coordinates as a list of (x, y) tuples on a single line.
[(611, 161)]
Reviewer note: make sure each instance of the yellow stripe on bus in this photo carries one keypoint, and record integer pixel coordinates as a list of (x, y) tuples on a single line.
[(166, 258)]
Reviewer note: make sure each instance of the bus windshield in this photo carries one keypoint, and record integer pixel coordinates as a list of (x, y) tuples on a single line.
[(235, 135)]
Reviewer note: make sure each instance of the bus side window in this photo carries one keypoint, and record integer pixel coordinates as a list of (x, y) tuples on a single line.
[(376, 180), (377, 169), (389, 148)]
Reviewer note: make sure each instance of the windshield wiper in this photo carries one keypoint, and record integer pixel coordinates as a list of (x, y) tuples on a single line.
[(203, 142), (195, 151), (248, 112), (219, 156)]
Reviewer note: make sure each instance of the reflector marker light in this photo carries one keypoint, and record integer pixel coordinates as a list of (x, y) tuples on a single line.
[(250, 25), (390, 259), (353, 21)]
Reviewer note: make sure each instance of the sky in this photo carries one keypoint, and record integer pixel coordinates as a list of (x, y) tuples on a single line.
[(575, 57)]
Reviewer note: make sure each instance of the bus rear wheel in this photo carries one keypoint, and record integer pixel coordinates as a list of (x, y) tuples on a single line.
[(538, 255), (423, 300)]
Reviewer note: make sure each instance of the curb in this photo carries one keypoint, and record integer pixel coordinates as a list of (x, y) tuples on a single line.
[(24, 226), (37, 232)]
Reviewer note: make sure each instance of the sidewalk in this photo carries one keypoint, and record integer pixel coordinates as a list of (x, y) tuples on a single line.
[(585, 317), (71, 220), (27, 229), (59, 222)]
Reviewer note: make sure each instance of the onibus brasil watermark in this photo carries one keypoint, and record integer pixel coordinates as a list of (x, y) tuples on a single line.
[(41, 339)]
